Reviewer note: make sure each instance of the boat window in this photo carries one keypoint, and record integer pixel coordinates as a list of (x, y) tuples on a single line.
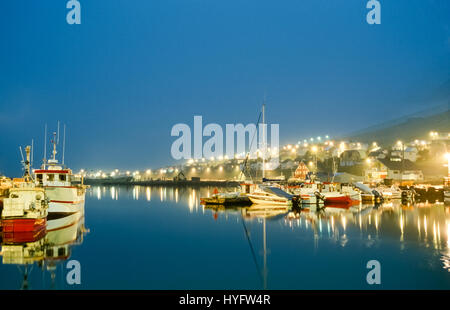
[(14, 196), (38, 197), (50, 177), (50, 252), (61, 251), (39, 177), (62, 177)]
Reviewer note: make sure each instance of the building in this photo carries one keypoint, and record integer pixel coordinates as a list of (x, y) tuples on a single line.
[(393, 168), (352, 157)]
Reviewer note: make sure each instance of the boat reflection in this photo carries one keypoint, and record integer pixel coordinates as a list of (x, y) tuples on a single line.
[(46, 249), (424, 224)]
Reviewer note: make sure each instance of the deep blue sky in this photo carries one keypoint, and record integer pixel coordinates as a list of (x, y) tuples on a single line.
[(133, 69)]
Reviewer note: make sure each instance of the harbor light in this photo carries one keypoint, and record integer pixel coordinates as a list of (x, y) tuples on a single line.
[(128, 172), (368, 161), (220, 168), (148, 171), (314, 149)]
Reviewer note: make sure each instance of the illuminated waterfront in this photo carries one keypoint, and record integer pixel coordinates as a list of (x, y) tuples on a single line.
[(162, 238)]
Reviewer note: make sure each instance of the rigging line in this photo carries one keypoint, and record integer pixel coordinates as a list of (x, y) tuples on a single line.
[(252, 250)]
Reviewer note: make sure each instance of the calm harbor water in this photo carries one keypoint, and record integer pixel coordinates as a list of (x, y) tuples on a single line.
[(162, 238)]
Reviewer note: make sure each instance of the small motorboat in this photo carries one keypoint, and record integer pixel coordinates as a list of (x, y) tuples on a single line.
[(270, 195)]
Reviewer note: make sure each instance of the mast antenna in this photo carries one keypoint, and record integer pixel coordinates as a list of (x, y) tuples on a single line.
[(57, 138), (64, 143), (21, 154), (32, 152), (45, 144)]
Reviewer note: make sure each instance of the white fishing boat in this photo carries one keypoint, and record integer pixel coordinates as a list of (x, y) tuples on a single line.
[(65, 195), (270, 195)]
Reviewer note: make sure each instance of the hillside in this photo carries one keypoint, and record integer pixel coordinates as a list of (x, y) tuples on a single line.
[(408, 129)]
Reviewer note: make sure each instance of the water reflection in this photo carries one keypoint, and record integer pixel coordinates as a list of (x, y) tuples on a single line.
[(44, 250), (422, 226)]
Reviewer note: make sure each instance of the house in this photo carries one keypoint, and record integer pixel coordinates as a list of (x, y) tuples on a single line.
[(352, 157), (393, 168), (409, 153)]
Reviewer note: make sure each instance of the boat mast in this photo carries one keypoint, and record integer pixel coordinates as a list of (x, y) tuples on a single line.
[(64, 143), (264, 139), (54, 145), (44, 160)]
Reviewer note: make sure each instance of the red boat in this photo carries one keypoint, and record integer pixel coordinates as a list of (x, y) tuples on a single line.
[(23, 225), (23, 236), (341, 199), (25, 205)]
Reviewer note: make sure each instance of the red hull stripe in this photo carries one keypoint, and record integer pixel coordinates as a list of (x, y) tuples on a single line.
[(63, 201), (51, 171), (60, 186)]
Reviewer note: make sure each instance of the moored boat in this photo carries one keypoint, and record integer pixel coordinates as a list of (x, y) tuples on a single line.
[(66, 195), (270, 195), (24, 205)]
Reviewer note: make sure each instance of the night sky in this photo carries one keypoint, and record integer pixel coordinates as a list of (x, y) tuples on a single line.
[(133, 69)]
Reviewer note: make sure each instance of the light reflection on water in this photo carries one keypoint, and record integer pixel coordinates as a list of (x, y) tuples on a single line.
[(163, 238)]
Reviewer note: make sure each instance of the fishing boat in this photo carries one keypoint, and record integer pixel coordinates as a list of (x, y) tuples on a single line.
[(65, 193), (24, 204)]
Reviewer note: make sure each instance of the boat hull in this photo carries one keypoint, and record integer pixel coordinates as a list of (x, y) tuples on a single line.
[(23, 225), (65, 207), (67, 199), (262, 200), (242, 201)]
